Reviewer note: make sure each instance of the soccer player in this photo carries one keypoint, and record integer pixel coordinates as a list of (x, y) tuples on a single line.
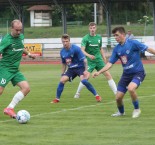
[(74, 64), (12, 48), (127, 51), (92, 48)]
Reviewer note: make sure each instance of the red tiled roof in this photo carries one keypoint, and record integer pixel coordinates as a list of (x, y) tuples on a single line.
[(40, 7)]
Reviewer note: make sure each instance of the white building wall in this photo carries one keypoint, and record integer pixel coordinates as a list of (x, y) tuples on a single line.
[(38, 19), (32, 18)]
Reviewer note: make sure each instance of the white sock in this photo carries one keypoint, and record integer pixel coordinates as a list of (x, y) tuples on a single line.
[(80, 87), (16, 99), (112, 86)]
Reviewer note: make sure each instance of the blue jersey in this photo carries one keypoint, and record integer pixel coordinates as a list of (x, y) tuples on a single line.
[(72, 57), (129, 54)]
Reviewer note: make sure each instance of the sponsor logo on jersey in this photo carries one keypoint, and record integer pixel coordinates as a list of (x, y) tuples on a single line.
[(14, 49), (3, 81), (93, 45), (124, 59), (68, 61), (127, 51)]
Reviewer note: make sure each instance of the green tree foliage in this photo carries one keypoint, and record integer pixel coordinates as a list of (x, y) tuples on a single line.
[(129, 11), (83, 12), (121, 12), (56, 16)]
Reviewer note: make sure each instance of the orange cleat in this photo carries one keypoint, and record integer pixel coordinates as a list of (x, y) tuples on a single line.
[(55, 100), (98, 98), (10, 112)]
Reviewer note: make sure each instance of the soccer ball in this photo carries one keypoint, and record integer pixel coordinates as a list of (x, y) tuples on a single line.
[(23, 116)]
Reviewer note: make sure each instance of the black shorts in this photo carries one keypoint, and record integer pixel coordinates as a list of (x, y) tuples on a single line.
[(74, 72), (127, 78)]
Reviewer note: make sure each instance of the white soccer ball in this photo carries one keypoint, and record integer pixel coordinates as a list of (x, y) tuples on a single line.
[(23, 116)]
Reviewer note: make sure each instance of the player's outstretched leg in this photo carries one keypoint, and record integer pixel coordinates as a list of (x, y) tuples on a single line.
[(10, 108), (10, 112), (91, 89), (58, 94)]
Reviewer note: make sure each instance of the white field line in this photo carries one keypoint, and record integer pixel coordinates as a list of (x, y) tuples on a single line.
[(78, 108)]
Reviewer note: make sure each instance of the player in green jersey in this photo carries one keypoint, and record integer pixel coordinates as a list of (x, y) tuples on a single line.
[(12, 48), (92, 48)]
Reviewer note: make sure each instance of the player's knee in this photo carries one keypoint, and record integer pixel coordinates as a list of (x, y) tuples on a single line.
[(119, 101), (64, 79), (107, 75), (131, 89)]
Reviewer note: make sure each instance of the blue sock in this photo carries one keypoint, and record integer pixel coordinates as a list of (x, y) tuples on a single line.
[(59, 90), (121, 109), (136, 104), (89, 86)]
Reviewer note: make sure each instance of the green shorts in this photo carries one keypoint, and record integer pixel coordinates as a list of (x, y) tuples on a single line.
[(95, 65), (14, 77)]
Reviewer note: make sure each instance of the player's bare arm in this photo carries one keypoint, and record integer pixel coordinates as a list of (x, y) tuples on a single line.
[(107, 67), (103, 55), (151, 50), (86, 68), (64, 67), (87, 54), (33, 56)]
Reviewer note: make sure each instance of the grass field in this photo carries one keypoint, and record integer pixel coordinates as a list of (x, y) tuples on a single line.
[(78, 31), (80, 121)]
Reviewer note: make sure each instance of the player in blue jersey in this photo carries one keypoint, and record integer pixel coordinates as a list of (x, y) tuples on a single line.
[(128, 51), (74, 64)]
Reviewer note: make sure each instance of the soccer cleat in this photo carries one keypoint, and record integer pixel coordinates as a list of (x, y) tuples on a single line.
[(117, 114), (98, 98), (136, 113), (77, 95), (55, 100), (10, 112)]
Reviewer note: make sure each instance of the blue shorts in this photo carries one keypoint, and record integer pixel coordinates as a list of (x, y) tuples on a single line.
[(74, 72), (127, 78)]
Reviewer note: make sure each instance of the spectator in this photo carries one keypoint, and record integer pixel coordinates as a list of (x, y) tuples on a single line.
[(129, 35)]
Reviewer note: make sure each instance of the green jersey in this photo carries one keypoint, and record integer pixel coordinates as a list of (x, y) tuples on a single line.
[(92, 46), (11, 49)]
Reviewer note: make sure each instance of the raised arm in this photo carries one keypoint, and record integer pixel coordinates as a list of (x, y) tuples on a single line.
[(105, 68), (64, 67)]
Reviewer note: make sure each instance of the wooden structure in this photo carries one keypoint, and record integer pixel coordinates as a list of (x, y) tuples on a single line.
[(40, 15)]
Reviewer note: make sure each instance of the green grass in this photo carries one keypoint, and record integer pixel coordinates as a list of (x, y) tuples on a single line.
[(78, 31), (80, 121)]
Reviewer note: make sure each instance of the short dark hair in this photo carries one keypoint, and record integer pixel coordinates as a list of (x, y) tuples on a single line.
[(92, 24), (65, 36), (119, 29)]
